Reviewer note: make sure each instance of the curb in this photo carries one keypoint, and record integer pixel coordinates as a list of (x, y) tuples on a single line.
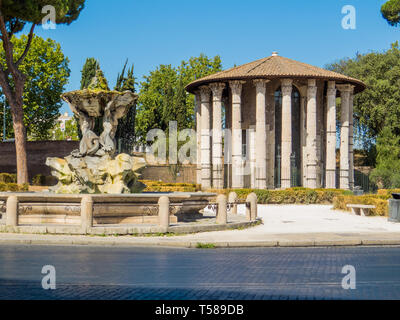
[(194, 244)]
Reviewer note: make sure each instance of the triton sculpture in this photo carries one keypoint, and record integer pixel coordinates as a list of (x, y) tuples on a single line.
[(95, 168)]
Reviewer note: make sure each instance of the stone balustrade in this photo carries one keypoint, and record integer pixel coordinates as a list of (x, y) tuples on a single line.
[(89, 214)]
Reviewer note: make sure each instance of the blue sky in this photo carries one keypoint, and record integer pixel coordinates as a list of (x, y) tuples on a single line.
[(154, 32)]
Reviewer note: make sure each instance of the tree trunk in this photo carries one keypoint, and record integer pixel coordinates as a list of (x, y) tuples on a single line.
[(17, 112), (20, 143), (14, 96), (16, 105)]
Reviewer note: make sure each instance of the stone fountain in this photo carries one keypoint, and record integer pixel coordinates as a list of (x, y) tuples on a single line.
[(99, 191), (96, 168)]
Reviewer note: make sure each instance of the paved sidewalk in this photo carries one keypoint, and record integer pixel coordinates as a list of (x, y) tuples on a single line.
[(289, 225)]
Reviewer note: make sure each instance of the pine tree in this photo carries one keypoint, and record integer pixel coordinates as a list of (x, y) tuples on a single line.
[(89, 72)]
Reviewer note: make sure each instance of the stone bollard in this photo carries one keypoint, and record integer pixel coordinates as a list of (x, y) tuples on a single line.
[(87, 213), (163, 213), (251, 207), (222, 210), (254, 207), (12, 211), (232, 198)]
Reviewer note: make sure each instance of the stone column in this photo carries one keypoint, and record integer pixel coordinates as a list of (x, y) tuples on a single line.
[(331, 137), (345, 91), (198, 131), (303, 135), (217, 89), (271, 137), (205, 138), (351, 139), (237, 155), (251, 149), (287, 87), (312, 134), (261, 135)]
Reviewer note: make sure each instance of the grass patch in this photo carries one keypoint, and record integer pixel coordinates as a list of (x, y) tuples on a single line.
[(205, 246)]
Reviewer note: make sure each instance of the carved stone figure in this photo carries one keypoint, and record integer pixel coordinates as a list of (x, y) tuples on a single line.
[(90, 142), (94, 168)]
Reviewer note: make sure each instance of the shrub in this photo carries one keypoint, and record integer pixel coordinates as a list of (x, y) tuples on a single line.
[(39, 180), (158, 186), (8, 178), (288, 196), (379, 201), (13, 187)]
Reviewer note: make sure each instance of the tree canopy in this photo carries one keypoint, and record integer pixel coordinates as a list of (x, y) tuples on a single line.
[(47, 73), (391, 12), (14, 15), (163, 98), (377, 106), (17, 13)]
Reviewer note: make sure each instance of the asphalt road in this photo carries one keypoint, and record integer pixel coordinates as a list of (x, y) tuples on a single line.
[(193, 274)]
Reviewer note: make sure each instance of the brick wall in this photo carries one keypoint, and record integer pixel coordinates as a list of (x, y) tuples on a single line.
[(39, 151), (156, 173)]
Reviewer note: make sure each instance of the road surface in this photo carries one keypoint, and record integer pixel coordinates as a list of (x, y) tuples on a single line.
[(194, 274)]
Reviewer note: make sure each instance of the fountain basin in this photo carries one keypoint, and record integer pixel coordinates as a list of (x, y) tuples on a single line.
[(108, 209)]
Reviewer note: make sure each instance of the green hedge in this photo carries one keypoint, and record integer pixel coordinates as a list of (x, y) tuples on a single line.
[(13, 187), (8, 178), (379, 201), (289, 196), (158, 186)]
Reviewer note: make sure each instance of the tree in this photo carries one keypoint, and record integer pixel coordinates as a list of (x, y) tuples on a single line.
[(47, 73), (377, 106), (387, 172), (14, 16), (125, 134), (70, 132), (88, 72), (391, 12), (163, 98)]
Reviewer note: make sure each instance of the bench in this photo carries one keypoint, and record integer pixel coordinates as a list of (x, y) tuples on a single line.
[(360, 209)]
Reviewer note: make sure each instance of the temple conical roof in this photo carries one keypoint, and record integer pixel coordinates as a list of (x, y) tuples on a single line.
[(276, 67)]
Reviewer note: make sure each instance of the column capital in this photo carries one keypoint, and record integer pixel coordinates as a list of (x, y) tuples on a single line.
[(217, 88), (197, 94), (287, 86), (331, 89), (260, 83), (345, 88), (236, 86), (205, 93), (312, 88)]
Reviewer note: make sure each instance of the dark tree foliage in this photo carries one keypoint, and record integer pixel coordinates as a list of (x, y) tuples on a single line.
[(88, 72), (125, 134), (378, 106), (391, 12)]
